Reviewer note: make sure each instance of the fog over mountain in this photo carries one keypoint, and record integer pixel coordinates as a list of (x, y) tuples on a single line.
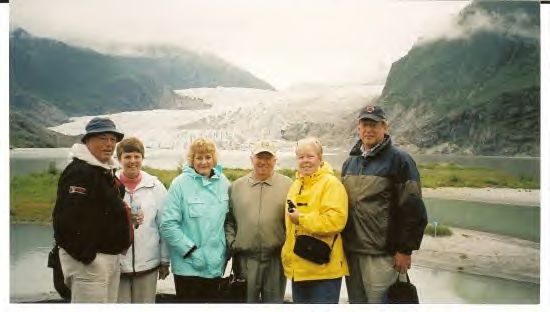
[(458, 76), (457, 94), (283, 42)]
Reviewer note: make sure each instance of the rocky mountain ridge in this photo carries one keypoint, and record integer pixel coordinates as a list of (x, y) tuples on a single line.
[(475, 93), (51, 80)]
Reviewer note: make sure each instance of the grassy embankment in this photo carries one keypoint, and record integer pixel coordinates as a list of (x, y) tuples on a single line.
[(32, 196)]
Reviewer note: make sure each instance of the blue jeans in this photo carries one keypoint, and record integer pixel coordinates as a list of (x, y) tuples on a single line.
[(319, 291)]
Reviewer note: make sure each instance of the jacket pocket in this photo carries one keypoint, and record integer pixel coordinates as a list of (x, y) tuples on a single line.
[(196, 207), (197, 260)]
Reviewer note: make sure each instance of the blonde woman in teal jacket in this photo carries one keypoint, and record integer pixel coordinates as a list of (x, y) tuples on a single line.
[(193, 224)]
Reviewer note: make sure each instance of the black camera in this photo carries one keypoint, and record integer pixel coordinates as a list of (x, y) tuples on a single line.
[(291, 206)]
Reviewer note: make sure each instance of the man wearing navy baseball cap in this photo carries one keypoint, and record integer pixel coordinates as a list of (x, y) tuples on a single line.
[(387, 217), (91, 221)]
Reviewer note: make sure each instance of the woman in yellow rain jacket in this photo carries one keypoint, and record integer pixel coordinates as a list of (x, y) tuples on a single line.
[(321, 212)]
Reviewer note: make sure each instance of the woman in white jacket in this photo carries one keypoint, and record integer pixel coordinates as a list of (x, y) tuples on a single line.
[(148, 257)]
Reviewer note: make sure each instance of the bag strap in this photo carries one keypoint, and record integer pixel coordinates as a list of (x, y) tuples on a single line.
[(232, 272), (406, 274), (333, 240)]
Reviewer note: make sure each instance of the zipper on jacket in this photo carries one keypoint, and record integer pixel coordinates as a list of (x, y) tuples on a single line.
[(362, 165), (260, 218), (131, 194)]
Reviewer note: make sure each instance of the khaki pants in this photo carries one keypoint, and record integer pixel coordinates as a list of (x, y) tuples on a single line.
[(369, 277), (96, 282), (265, 278), (145, 288)]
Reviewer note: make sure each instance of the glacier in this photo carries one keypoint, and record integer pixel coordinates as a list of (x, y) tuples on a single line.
[(237, 117)]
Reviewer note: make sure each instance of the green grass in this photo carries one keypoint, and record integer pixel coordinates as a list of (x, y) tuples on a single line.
[(445, 174), (166, 176), (32, 197), (234, 173)]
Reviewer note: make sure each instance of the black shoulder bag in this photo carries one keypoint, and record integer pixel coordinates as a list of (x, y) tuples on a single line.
[(58, 278), (232, 289), (401, 292), (313, 249)]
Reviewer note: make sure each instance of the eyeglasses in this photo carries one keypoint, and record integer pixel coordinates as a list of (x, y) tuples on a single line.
[(370, 123)]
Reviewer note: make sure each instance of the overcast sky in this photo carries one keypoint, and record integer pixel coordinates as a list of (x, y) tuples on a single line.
[(285, 42)]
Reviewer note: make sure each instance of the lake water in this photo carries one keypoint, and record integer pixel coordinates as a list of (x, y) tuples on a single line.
[(513, 220), (29, 244), (27, 160), (30, 279)]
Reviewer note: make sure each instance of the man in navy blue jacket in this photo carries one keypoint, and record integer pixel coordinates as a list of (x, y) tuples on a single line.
[(387, 216)]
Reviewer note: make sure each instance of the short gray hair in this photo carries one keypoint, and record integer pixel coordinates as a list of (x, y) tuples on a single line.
[(312, 141)]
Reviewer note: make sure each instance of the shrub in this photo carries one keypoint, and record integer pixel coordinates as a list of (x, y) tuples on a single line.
[(52, 169), (442, 230), (454, 179)]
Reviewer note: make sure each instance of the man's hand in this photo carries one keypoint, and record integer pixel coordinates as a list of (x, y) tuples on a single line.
[(401, 262), (294, 216), (164, 271)]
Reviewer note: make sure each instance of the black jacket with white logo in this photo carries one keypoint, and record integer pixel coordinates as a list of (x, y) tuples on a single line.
[(89, 214)]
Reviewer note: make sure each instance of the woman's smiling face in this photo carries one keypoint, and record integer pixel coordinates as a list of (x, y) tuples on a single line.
[(203, 163), (131, 163), (308, 160)]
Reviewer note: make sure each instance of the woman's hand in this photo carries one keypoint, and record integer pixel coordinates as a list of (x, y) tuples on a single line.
[(197, 259), (294, 216), (138, 218)]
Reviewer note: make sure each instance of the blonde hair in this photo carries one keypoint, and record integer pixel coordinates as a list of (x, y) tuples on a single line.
[(202, 146), (130, 145), (310, 141)]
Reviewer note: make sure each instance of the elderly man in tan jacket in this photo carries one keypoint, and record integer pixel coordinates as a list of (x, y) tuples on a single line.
[(255, 226)]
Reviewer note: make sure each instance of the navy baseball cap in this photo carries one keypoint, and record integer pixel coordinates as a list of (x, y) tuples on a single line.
[(373, 112)]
